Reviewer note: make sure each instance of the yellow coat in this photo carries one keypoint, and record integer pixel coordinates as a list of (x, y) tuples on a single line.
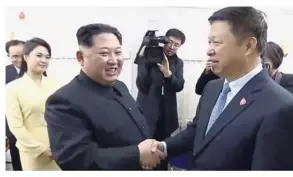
[(25, 107)]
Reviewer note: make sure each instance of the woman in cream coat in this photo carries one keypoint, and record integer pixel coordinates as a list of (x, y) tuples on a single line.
[(25, 107)]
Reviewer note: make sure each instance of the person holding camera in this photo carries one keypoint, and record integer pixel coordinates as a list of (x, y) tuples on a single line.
[(157, 87)]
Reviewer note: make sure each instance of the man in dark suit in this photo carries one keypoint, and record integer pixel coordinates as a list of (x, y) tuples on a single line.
[(93, 122), (233, 130), (14, 50)]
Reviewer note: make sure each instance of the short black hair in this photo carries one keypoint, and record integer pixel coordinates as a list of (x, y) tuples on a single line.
[(274, 53), (244, 21), (12, 43), (29, 46), (176, 33), (86, 33)]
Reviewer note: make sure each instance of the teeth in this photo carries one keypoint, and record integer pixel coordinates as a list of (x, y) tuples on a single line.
[(112, 69)]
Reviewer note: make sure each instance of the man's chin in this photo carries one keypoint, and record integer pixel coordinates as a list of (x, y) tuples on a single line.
[(169, 54), (216, 71), (111, 79), (18, 65)]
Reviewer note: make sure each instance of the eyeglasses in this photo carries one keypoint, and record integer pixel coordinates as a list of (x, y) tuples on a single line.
[(172, 43)]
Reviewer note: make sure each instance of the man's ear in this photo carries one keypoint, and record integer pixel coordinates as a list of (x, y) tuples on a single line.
[(251, 45), (79, 56), (25, 58)]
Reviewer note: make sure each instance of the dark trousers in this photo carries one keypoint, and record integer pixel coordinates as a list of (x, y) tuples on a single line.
[(161, 135), (14, 153)]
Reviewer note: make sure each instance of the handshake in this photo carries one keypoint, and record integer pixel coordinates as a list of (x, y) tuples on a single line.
[(151, 153)]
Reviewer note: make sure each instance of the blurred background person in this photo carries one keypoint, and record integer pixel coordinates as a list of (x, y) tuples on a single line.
[(273, 57), (14, 50), (206, 76), (25, 106)]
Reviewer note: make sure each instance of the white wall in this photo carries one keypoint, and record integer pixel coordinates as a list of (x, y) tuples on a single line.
[(58, 25)]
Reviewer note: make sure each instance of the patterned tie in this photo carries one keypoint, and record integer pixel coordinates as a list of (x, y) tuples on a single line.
[(219, 106)]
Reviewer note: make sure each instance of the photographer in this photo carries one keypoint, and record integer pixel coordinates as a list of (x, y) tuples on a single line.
[(158, 85)]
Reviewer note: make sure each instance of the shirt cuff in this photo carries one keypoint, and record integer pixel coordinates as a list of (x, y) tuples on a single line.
[(165, 148)]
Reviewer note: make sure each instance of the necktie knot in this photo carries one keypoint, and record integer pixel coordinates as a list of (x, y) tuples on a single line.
[(226, 89)]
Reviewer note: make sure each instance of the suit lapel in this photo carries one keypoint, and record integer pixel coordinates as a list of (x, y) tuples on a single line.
[(134, 116), (15, 74), (233, 109), (206, 111), (133, 110), (12, 73)]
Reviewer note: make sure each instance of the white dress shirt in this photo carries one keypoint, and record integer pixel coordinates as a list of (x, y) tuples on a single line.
[(238, 84), (17, 69)]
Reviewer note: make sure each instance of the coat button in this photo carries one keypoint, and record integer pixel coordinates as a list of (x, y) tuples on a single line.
[(129, 109)]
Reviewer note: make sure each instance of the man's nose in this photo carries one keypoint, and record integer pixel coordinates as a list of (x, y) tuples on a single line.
[(113, 59), (210, 52)]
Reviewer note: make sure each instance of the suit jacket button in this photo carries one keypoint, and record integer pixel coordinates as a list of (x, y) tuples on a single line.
[(129, 109)]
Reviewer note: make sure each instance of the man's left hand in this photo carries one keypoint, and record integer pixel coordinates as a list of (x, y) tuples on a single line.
[(167, 73)]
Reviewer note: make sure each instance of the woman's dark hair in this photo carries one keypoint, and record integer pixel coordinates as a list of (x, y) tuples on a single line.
[(274, 53), (29, 46)]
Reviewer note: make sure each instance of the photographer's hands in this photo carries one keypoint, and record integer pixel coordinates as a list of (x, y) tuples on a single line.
[(164, 67)]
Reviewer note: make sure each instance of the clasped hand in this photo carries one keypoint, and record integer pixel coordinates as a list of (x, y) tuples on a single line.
[(150, 154)]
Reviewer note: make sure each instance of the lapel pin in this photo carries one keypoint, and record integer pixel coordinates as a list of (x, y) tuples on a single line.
[(243, 101)]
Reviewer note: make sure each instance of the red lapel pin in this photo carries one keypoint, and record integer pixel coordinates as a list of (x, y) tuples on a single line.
[(243, 101)]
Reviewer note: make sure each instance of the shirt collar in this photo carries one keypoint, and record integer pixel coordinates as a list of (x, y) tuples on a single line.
[(237, 85), (17, 69)]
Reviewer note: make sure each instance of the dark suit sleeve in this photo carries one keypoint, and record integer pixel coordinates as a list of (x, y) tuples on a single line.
[(183, 141), (203, 80), (274, 142), (73, 145), (143, 79), (176, 81)]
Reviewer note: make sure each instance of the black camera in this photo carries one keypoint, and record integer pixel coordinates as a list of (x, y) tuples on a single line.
[(150, 49)]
